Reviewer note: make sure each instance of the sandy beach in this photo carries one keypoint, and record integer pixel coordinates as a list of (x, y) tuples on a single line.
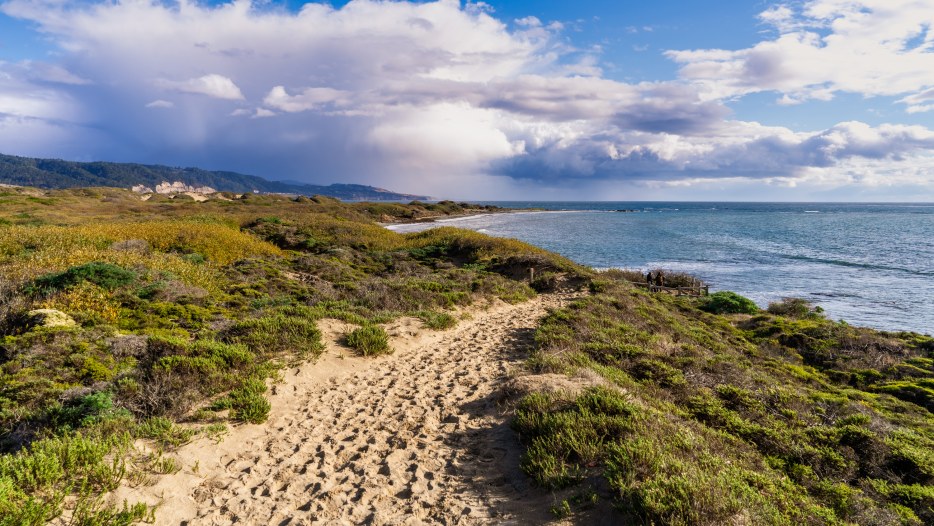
[(418, 437)]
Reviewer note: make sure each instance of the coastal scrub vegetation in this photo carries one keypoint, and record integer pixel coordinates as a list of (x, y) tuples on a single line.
[(123, 319), (171, 325), (683, 416), (370, 340)]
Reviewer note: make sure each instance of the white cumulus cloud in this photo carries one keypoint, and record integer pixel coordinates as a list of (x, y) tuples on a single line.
[(213, 85), (824, 47), (308, 99)]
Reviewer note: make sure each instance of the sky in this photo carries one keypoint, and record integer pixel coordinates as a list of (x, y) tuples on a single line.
[(755, 100)]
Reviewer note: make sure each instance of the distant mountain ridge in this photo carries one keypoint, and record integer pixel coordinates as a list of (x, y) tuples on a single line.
[(56, 173)]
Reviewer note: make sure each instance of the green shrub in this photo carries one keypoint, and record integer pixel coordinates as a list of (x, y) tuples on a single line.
[(247, 402), (251, 408), (227, 355), (370, 340), (91, 512), (794, 308), (88, 410), (104, 275), (163, 431), (727, 302), (35, 480), (567, 436), (658, 372), (437, 320), (766, 420), (277, 333), (545, 282), (195, 258)]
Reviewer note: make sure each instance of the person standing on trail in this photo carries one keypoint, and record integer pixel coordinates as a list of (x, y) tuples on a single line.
[(660, 278), (649, 278)]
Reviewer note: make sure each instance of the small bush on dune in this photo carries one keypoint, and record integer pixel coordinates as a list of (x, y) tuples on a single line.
[(251, 408), (794, 308), (104, 275), (247, 402), (437, 320), (545, 282), (727, 302), (370, 340), (278, 333), (88, 410), (164, 431), (567, 434), (34, 481)]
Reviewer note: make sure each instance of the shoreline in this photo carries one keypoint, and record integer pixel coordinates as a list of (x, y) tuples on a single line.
[(453, 218), (440, 219), (795, 270)]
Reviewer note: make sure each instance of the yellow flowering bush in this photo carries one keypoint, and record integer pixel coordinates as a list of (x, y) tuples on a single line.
[(87, 299), (27, 252)]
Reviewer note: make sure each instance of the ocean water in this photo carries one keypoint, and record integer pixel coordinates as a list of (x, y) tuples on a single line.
[(868, 264)]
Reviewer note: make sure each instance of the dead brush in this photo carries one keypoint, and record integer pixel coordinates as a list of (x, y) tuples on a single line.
[(13, 306)]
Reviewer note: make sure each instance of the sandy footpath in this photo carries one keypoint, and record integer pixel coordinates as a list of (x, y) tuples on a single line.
[(412, 438)]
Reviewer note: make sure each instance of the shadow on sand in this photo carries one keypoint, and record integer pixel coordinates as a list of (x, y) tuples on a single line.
[(488, 457)]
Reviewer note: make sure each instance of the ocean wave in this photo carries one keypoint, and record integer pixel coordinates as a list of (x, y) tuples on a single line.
[(856, 264)]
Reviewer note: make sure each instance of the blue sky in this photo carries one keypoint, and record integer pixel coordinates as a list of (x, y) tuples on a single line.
[(753, 100)]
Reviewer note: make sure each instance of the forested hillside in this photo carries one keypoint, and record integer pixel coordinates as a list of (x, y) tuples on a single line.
[(56, 173)]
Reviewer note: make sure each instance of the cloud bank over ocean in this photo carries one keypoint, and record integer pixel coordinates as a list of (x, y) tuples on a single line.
[(448, 99)]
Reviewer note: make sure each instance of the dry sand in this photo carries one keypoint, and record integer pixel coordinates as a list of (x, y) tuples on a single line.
[(418, 437)]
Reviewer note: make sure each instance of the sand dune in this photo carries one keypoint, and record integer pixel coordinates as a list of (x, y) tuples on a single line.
[(417, 437)]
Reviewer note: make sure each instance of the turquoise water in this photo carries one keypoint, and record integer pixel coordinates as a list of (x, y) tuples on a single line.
[(868, 264)]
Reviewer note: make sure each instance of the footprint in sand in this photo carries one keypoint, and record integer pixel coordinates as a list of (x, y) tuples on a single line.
[(379, 442)]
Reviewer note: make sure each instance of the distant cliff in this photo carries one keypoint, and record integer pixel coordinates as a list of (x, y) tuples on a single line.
[(56, 173)]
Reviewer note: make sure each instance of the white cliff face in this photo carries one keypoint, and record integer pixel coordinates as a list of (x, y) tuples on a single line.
[(176, 187), (179, 187)]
